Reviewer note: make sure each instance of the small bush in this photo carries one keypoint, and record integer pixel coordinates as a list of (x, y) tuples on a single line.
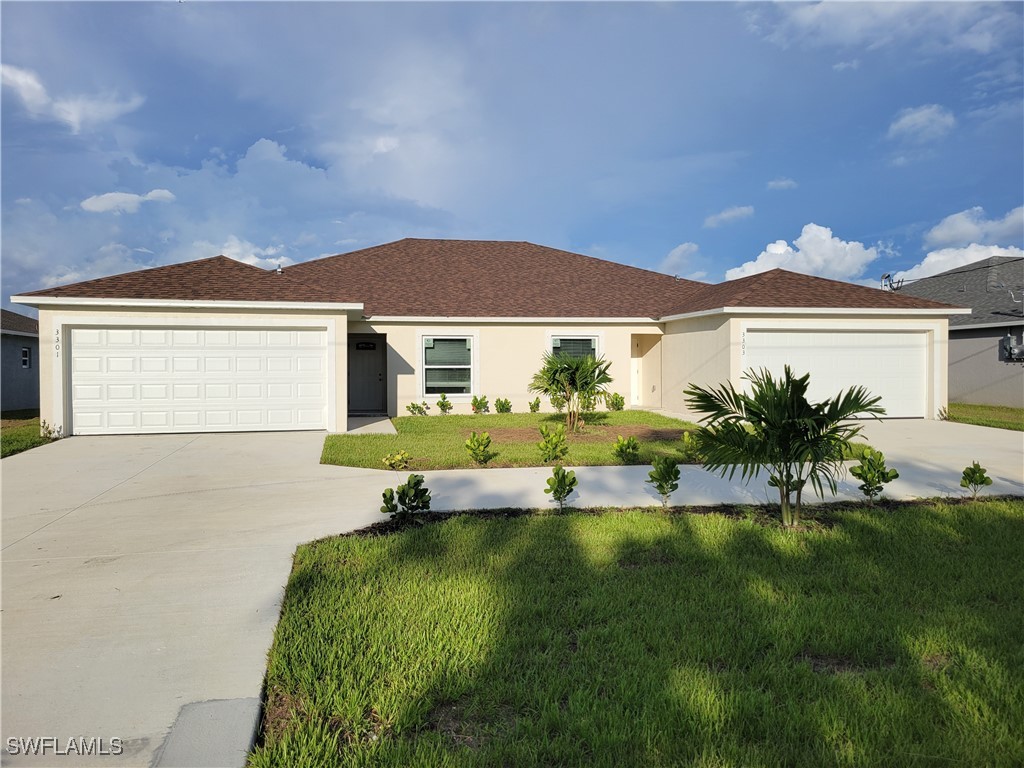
[(50, 433), (873, 474), (480, 404), (444, 405), (557, 402), (975, 478), (588, 402), (418, 409), (479, 448), (615, 402), (664, 476), (535, 405), (560, 485), (397, 460), (410, 499), (688, 451), (501, 405), (552, 444), (627, 450)]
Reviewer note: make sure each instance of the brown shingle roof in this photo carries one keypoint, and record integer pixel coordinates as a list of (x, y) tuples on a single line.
[(487, 278), (215, 279), (780, 288), (13, 321)]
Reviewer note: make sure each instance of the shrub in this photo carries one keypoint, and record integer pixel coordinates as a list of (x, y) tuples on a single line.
[(480, 404), (479, 447), (975, 478), (688, 451), (552, 444), (588, 402), (577, 381), (615, 402), (535, 405), (627, 450), (560, 485), (397, 460), (501, 405), (418, 409), (557, 402), (410, 499), (444, 405), (664, 476), (873, 474), (50, 433)]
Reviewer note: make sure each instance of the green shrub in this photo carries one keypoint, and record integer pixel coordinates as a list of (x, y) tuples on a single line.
[(588, 402), (557, 402), (480, 404), (560, 485), (627, 450), (664, 476), (444, 405), (615, 402), (501, 405), (975, 478), (688, 451), (552, 444), (479, 448), (873, 474), (418, 409), (535, 405), (397, 460), (410, 499)]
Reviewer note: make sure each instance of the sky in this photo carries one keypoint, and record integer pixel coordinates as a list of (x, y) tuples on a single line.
[(706, 140)]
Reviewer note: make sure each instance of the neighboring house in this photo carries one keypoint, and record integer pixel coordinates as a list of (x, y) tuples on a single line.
[(216, 345), (19, 376), (982, 365)]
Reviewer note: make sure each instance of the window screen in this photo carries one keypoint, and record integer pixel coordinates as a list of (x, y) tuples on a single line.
[(585, 346), (447, 366)]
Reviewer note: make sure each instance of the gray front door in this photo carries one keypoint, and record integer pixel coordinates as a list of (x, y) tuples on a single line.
[(367, 374)]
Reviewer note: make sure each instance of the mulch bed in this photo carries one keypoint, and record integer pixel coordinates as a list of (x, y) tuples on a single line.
[(591, 434)]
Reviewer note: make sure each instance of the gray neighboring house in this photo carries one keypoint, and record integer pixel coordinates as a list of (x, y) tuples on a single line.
[(986, 360), (19, 380)]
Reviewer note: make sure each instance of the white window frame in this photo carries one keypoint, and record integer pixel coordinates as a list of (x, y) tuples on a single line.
[(597, 338), (474, 366), (26, 358)]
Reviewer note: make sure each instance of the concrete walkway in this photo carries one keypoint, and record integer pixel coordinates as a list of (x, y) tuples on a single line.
[(142, 576)]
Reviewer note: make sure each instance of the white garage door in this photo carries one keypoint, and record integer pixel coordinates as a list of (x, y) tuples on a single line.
[(891, 364), (136, 380)]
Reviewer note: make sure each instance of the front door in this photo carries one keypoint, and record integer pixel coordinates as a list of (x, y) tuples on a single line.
[(367, 372)]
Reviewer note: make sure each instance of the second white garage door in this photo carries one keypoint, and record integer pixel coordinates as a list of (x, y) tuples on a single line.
[(139, 380), (892, 364)]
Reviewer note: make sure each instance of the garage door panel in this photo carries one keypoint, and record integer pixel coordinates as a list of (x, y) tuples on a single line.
[(891, 364), (197, 379)]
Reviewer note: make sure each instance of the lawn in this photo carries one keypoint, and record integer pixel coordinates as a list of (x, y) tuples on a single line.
[(19, 431), (998, 416), (878, 637), (438, 442)]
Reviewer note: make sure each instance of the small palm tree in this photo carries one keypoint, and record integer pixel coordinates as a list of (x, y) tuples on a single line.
[(575, 379), (778, 428)]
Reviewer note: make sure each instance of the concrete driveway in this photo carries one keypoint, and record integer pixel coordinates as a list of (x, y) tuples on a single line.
[(142, 576)]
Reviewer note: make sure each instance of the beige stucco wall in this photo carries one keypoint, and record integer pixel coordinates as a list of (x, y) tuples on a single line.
[(54, 403), (698, 351), (506, 355)]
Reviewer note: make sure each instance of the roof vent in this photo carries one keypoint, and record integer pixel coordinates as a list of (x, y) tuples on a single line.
[(279, 270)]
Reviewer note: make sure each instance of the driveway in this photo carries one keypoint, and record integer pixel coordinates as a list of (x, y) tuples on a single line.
[(142, 576)]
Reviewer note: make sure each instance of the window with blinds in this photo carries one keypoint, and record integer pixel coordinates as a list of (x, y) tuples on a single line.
[(447, 365), (574, 346)]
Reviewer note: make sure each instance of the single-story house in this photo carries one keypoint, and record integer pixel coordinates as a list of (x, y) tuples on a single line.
[(19, 362), (986, 347), (217, 345)]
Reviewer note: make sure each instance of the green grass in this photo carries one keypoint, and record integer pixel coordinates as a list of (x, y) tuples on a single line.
[(19, 432), (438, 442), (892, 638), (998, 416)]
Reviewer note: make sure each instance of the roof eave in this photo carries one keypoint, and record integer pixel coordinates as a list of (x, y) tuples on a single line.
[(79, 301), (913, 312)]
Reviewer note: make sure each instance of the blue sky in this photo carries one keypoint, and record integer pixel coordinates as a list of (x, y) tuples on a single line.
[(709, 140)]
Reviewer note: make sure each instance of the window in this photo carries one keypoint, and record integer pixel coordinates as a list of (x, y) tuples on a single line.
[(26, 357), (574, 346), (447, 365)]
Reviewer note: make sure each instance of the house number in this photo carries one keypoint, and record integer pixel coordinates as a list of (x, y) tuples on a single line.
[(56, 342), (743, 344)]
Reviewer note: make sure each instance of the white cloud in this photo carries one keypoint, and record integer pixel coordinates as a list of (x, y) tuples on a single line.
[(729, 214), (971, 226), (74, 111), (922, 124), (124, 202), (816, 252), (951, 258), (842, 66), (244, 251), (782, 183), (679, 259)]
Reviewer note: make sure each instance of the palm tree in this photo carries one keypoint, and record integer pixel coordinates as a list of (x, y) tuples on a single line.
[(776, 427), (572, 378)]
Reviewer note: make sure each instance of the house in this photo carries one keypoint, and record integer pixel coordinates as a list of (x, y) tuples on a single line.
[(19, 374), (984, 367), (216, 345)]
